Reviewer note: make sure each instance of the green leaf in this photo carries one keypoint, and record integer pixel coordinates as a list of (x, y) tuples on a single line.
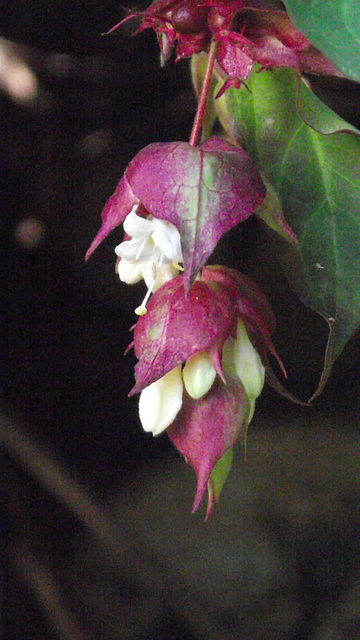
[(270, 212), (317, 115), (217, 479), (317, 178), (333, 27)]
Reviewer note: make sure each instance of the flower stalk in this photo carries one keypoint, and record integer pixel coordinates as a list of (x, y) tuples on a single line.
[(204, 95)]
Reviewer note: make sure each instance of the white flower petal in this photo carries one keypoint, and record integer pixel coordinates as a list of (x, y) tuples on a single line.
[(136, 226), (247, 363), (161, 401), (148, 270), (138, 250), (128, 249), (165, 273), (167, 238), (129, 272), (148, 251), (198, 374)]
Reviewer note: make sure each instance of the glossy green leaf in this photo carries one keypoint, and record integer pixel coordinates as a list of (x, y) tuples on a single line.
[(317, 178), (317, 115), (333, 27)]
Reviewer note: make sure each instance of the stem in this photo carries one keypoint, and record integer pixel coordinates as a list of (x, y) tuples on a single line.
[(195, 133)]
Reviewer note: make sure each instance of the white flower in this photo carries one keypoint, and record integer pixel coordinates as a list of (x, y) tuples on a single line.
[(152, 254), (198, 374), (241, 356), (161, 401)]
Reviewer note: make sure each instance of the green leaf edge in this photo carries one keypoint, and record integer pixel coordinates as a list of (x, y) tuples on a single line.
[(341, 40)]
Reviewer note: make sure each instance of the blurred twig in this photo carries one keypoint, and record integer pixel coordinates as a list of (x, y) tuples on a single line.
[(119, 543), (38, 578), (55, 479)]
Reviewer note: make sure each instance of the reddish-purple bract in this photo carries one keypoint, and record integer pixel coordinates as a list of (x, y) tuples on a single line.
[(204, 191), (114, 212), (176, 326), (246, 32), (205, 429), (252, 306)]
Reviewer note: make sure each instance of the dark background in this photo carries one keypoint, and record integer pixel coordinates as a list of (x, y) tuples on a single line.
[(64, 377)]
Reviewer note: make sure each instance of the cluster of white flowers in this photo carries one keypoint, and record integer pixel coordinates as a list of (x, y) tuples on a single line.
[(161, 401), (153, 253)]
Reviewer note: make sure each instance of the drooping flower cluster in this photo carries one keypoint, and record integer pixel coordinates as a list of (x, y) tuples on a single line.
[(202, 339), (202, 360), (246, 32)]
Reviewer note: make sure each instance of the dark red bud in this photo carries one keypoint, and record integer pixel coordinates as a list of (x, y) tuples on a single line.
[(189, 19), (167, 15), (218, 21)]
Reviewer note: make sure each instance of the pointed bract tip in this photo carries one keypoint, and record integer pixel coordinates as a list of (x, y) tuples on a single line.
[(119, 24)]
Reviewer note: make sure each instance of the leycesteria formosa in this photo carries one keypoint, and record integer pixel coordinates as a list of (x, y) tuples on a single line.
[(203, 335), (202, 339)]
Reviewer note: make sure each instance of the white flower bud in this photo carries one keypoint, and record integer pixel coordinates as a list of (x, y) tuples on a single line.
[(247, 363), (198, 375), (161, 401)]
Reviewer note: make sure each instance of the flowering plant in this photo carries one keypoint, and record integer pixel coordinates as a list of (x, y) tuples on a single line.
[(203, 336)]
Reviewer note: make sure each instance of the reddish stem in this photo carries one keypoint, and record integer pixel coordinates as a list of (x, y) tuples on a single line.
[(205, 89)]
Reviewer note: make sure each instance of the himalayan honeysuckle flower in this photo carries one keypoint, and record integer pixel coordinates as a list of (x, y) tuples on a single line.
[(246, 32), (203, 191), (152, 254), (201, 365)]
